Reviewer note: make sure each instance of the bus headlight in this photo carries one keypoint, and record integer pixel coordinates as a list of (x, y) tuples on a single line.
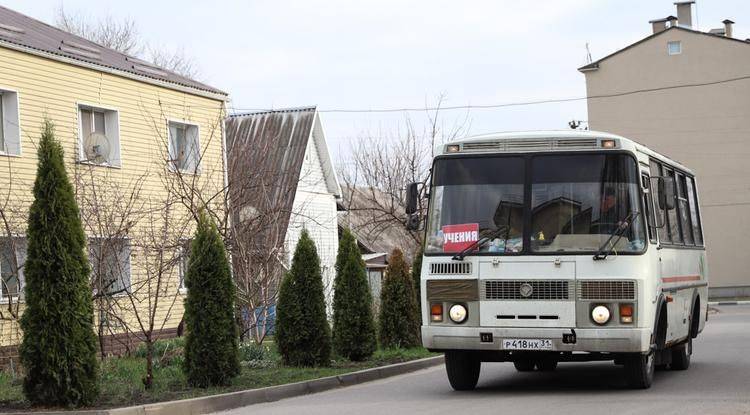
[(600, 314), (457, 313)]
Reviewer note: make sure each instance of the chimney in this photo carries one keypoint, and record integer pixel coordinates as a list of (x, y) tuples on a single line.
[(660, 25), (728, 27), (685, 13)]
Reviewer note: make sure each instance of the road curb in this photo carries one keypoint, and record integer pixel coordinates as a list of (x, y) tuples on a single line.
[(233, 400), (742, 302)]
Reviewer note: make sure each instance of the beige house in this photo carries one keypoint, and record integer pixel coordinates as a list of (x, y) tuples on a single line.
[(143, 147), (686, 93)]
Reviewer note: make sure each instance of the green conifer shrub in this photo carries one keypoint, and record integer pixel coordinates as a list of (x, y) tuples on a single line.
[(58, 350), (399, 317), (302, 332), (416, 275), (211, 344), (354, 334)]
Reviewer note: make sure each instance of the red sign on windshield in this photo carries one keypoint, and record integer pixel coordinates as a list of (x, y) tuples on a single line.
[(458, 237)]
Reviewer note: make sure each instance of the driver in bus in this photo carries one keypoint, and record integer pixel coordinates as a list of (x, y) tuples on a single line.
[(608, 212)]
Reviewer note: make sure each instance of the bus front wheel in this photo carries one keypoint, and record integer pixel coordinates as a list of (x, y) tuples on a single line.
[(463, 369), (640, 370)]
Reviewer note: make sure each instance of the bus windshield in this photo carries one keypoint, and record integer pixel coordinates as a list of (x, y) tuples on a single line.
[(576, 202)]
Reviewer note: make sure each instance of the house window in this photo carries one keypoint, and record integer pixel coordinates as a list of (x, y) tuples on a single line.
[(10, 132), (110, 265), (99, 136), (183, 258), (674, 48), (12, 259), (184, 147)]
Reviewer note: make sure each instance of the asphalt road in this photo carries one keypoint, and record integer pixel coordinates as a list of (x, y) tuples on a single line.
[(718, 382)]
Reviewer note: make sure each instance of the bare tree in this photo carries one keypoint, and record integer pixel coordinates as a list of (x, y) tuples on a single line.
[(381, 167), (13, 216), (123, 35)]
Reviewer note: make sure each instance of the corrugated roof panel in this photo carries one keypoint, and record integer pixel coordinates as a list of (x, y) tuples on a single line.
[(21, 30), (267, 149)]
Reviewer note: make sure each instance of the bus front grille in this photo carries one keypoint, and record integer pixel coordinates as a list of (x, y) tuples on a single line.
[(450, 268), (606, 290), (526, 290)]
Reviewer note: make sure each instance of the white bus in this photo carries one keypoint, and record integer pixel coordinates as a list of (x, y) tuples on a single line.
[(557, 246)]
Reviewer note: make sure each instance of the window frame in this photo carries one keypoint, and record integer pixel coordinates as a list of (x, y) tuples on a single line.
[(127, 285), (13, 96), (689, 178), (694, 205), (112, 132), (182, 263), (688, 237), (170, 148), (649, 208), (670, 52), (528, 156), (21, 257)]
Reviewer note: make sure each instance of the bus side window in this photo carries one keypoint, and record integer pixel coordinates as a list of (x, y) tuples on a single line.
[(692, 197), (684, 210), (664, 236), (648, 205), (673, 223)]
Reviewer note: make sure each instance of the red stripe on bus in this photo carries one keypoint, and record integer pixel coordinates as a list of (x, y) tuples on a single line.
[(682, 278)]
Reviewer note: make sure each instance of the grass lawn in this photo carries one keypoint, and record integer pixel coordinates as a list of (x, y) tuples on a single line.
[(121, 377)]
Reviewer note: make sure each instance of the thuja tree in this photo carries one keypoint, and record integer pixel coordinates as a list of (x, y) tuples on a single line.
[(58, 351), (211, 344), (353, 325), (302, 332), (416, 275), (399, 317)]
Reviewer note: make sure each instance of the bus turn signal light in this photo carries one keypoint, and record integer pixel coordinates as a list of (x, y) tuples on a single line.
[(626, 313), (436, 312)]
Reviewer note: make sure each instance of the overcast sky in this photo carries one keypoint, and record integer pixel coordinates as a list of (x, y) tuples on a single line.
[(344, 54)]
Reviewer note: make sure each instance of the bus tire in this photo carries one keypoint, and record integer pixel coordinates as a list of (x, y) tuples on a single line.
[(546, 365), (640, 370), (681, 356), (463, 369), (524, 365)]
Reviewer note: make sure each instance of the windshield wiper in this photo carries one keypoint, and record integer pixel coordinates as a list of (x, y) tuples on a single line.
[(480, 243), (620, 230)]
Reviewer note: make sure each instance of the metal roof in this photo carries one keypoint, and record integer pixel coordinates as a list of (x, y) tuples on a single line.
[(20, 32), (271, 147)]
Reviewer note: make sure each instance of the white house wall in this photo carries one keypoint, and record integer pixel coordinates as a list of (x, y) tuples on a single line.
[(314, 209)]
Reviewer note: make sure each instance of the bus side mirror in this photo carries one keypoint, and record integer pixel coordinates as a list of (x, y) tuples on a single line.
[(412, 198), (666, 193), (413, 222)]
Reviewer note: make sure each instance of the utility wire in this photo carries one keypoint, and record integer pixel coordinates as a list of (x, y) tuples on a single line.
[(513, 104)]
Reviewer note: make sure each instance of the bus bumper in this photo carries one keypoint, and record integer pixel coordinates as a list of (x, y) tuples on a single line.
[(612, 340)]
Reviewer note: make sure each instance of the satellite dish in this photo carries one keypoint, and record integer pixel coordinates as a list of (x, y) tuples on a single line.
[(96, 148)]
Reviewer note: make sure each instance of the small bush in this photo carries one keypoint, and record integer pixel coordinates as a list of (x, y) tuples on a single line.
[(302, 332), (353, 325), (211, 344), (399, 317)]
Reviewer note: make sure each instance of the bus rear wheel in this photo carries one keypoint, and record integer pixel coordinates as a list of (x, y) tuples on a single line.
[(681, 356), (640, 370), (463, 369)]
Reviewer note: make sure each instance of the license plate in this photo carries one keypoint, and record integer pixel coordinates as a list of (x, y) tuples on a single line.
[(527, 344)]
